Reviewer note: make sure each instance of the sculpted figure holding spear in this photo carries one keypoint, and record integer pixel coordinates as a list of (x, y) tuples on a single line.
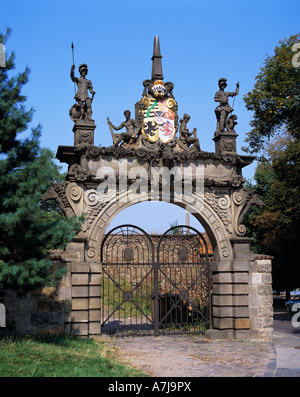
[(84, 85)]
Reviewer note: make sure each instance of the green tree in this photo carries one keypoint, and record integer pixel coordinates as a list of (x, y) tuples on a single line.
[(176, 230), (275, 134), (277, 227), (263, 179), (28, 229), (275, 98)]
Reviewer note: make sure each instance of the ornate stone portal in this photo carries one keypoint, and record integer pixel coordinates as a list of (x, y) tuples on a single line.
[(149, 162)]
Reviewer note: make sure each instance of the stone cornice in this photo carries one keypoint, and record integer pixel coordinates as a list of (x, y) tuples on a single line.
[(72, 154)]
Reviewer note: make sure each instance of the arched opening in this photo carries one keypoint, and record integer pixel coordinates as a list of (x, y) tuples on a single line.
[(206, 220), (155, 217), (201, 216)]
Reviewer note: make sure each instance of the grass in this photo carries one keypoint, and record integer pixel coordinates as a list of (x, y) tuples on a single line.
[(112, 296), (60, 356)]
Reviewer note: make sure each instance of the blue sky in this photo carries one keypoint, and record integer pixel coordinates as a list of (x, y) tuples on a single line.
[(200, 41)]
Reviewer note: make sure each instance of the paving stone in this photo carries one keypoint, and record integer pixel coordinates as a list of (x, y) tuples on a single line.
[(196, 356)]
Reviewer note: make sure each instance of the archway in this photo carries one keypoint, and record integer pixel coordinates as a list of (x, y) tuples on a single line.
[(199, 209), (151, 153), (155, 217)]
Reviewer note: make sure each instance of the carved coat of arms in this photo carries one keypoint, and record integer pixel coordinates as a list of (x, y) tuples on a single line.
[(158, 113)]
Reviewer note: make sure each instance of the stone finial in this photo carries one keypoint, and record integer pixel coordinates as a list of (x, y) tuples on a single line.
[(157, 73)]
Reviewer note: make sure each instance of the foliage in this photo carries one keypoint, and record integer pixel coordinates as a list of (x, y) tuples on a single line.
[(60, 356), (275, 98), (28, 229), (276, 228), (275, 134), (176, 230), (263, 180)]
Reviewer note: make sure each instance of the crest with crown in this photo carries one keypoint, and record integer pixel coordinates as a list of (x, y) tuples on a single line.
[(157, 110)]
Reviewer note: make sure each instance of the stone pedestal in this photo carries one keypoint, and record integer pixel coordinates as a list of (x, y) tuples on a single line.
[(84, 133), (225, 142)]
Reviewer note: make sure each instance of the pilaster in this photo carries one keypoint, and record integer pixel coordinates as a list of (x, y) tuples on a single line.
[(230, 294), (85, 314)]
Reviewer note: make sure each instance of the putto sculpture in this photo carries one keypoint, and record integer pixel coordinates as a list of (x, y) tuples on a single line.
[(83, 109), (223, 110)]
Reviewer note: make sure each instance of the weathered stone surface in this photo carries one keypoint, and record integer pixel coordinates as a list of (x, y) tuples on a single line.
[(261, 298), (241, 323), (80, 304), (79, 267), (80, 279), (47, 318), (223, 323), (264, 266), (49, 305), (230, 300), (94, 328), (94, 303), (80, 291), (95, 315), (231, 289), (79, 329)]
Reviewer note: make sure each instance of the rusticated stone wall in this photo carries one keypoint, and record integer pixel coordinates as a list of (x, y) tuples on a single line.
[(261, 297), (41, 310), (243, 299)]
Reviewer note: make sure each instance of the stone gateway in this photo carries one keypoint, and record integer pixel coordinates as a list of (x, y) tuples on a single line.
[(156, 157)]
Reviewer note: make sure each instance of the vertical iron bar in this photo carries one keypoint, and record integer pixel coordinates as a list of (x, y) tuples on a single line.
[(156, 314), (138, 293), (190, 293), (209, 294), (119, 267)]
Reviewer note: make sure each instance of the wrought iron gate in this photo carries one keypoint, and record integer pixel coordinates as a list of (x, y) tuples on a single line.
[(155, 287)]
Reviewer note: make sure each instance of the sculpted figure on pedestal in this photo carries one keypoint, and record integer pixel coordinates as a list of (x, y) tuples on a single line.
[(83, 110), (223, 110)]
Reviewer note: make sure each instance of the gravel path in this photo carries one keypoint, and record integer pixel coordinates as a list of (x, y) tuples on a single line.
[(196, 356)]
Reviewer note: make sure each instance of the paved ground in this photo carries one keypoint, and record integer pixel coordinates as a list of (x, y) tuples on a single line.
[(196, 356)]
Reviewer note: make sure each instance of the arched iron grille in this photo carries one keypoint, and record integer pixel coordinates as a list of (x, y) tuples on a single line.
[(154, 287), (183, 280)]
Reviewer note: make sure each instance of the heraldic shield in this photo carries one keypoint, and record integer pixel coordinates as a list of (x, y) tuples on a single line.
[(159, 119)]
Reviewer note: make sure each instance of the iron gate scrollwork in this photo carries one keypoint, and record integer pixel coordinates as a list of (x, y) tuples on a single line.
[(155, 287), (183, 281), (127, 257)]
